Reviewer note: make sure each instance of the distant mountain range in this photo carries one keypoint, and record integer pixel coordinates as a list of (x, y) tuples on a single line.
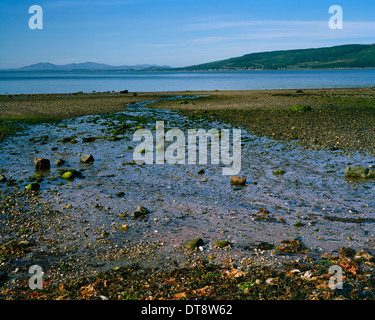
[(46, 66), (344, 56)]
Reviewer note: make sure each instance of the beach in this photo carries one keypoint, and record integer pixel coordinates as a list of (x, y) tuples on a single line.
[(201, 237)]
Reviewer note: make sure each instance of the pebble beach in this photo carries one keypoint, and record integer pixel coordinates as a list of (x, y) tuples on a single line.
[(106, 227)]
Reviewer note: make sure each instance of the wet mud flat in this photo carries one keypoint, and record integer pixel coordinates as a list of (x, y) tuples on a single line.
[(295, 207)]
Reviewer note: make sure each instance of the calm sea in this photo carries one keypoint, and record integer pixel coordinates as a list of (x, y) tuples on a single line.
[(101, 81)]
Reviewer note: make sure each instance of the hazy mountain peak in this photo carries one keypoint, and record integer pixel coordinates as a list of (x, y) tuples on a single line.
[(41, 66)]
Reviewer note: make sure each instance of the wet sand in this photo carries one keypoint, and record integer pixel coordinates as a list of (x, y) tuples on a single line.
[(82, 227)]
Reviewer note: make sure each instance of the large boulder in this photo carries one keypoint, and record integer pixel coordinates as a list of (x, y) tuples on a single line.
[(42, 164)]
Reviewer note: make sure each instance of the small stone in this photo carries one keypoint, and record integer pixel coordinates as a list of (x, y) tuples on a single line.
[(307, 275), (120, 194), (123, 215), (103, 234), (66, 139), (59, 162), (88, 139), (203, 180), (263, 211), (265, 246), (86, 158), (2, 178), (142, 210), (139, 212), (279, 172), (237, 181), (299, 224), (195, 243), (114, 138)]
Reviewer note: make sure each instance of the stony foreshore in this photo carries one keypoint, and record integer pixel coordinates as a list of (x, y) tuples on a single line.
[(110, 229), (335, 119)]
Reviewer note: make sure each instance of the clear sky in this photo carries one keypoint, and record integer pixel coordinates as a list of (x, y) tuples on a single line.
[(177, 33)]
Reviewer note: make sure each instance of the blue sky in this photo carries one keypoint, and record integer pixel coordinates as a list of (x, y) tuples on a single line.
[(177, 33)]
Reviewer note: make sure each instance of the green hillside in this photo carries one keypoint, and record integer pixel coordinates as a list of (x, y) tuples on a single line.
[(345, 56)]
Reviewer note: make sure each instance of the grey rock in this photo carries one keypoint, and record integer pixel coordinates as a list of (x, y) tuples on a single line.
[(139, 212), (86, 158), (59, 162)]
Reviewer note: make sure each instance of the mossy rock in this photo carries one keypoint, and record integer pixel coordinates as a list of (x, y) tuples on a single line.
[(265, 246), (34, 186), (69, 175), (114, 138), (142, 151), (68, 139), (88, 139), (38, 176), (195, 243), (279, 172), (300, 108), (359, 173), (299, 224), (221, 244)]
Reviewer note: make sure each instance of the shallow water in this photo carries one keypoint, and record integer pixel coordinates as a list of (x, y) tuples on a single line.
[(335, 212)]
